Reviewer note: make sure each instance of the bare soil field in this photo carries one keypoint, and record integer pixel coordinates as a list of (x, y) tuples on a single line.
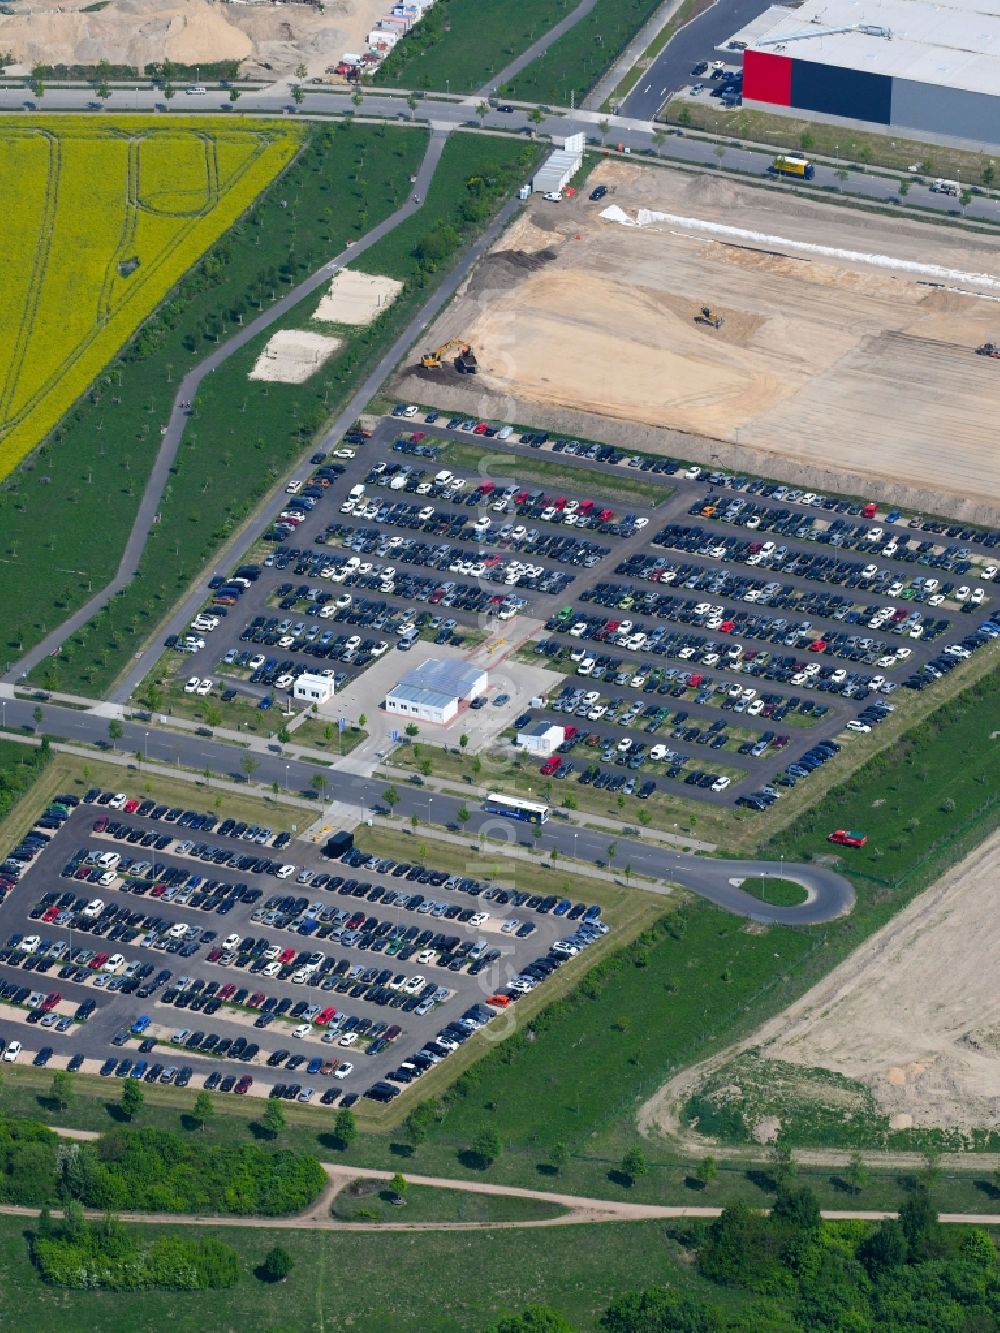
[(270, 40), (857, 366), (913, 1015)]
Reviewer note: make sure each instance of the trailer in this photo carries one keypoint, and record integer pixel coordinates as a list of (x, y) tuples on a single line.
[(794, 165)]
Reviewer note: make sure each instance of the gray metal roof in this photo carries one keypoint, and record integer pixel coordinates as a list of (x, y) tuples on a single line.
[(950, 43), (540, 728), (436, 682)]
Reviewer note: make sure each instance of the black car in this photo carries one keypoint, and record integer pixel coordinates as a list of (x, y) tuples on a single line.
[(506, 108), (44, 1056), (75, 1063)]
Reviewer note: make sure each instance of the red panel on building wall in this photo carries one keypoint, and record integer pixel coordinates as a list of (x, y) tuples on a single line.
[(767, 78)]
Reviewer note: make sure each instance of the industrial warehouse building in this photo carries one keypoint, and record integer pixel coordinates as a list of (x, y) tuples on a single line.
[(433, 691), (907, 65)]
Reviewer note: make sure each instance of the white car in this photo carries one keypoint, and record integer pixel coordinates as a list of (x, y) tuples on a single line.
[(479, 919), (293, 487), (343, 1070), (285, 872), (303, 1030), (553, 196), (205, 686), (12, 1052), (349, 1039), (410, 411), (343, 453), (193, 685), (114, 964), (720, 784), (231, 942)]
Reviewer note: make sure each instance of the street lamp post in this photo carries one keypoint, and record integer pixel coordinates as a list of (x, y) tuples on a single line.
[(145, 747), (287, 768)]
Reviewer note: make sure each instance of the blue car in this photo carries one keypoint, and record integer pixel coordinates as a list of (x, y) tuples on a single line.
[(265, 703), (141, 1024)]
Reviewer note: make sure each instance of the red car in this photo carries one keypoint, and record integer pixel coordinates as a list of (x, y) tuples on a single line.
[(50, 914), (100, 825), (325, 1016), (818, 646), (98, 961), (226, 991), (51, 1000), (244, 1085), (131, 806), (256, 999), (500, 1001), (286, 955), (550, 766), (844, 837)]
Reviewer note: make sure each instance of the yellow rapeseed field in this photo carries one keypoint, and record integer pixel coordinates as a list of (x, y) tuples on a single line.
[(101, 219)]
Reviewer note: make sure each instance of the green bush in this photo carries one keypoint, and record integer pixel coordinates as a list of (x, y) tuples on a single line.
[(153, 1169), (107, 1256)]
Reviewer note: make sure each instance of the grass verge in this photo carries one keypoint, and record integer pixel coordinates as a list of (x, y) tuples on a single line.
[(842, 142), (510, 467), (775, 890), (689, 10)]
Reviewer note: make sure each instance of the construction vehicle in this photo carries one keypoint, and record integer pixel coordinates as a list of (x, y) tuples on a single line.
[(465, 361), (989, 349), (706, 315), (792, 164)]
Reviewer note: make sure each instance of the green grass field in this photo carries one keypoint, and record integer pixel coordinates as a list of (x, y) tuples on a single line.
[(423, 1203), (528, 467), (775, 890), (245, 433), (102, 219), (79, 493), (424, 1282), (461, 45), (573, 64)]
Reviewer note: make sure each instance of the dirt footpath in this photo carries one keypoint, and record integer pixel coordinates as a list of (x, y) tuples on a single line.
[(914, 1013), (854, 369)]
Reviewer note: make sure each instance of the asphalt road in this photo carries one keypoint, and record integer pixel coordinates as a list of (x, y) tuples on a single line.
[(634, 133), (714, 879), (698, 40)]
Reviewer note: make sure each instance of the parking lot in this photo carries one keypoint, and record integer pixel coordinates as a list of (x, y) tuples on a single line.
[(180, 947), (723, 642)]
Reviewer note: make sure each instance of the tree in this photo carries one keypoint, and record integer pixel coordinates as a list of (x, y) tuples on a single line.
[(463, 816), (661, 1310), (707, 1171), (988, 174), (884, 1249), (357, 97), (965, 198), (132, 1099), (782, 1163), (319, 782), (345, 1127), (283, 734), (633, 1166), (806, 141), (932, 1167), (234, 94), (398, 1185), (411, 102), (61, 1092), (559, 1155), (276, 1264), (534, 1319), (684, 116), (411, 729), (612, 852), (487, 1146), (904, 189), (362, 720), (857, 1174), (918, 1219), (300, 70), (249, 765), (168, 91), (273, 1119), (841, 173), (115, 732), (482, 111), (536, 115), (604, 129), (799, 1208), (391, 797), (36, 83), (298, 96), (659, 139), (37, 714), (204, 1109), (463, 741), (103, 90)]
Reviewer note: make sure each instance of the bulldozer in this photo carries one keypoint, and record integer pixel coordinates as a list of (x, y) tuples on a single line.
[(706, 315), (465, 362), (989, 349)]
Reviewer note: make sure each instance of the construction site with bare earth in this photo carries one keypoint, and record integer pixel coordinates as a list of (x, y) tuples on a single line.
[(840, 347)]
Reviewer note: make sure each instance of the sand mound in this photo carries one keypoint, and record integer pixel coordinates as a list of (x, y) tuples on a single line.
[(292, 355), (357, 298)]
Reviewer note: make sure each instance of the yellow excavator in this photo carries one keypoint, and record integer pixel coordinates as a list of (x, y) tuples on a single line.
[(465, 361), (712, 318)]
